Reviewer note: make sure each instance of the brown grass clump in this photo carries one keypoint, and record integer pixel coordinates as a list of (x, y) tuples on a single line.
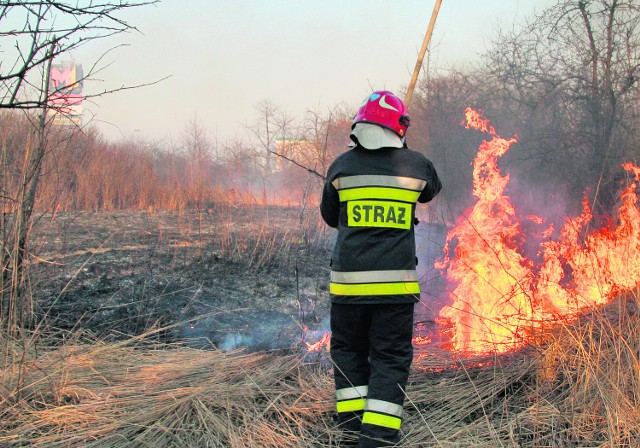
[(581, 388), (592, 370), (117, 395)]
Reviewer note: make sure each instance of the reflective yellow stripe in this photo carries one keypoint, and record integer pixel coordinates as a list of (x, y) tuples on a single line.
[(356, 404), (400, 275), (374, 289), (407, 183), (393, 194), (387, 421)]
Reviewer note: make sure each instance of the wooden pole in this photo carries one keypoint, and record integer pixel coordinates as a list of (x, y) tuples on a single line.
[(423, 50)]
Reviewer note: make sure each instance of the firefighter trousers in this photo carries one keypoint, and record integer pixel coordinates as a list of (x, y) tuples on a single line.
[(371, 350)]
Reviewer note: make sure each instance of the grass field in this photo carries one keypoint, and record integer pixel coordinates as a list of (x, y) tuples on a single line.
[(139, 307)]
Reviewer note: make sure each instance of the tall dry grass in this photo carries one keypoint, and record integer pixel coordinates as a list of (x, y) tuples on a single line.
[(579, 387), (89, 393), (593, 367)]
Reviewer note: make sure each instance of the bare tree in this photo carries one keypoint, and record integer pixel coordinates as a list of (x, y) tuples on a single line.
[(198, 149), (32, 35), (199, 158), (436, 113), (271, 123), (328, 135), (570, 76)]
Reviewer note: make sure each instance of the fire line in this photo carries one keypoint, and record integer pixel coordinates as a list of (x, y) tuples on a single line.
[(499, 297)]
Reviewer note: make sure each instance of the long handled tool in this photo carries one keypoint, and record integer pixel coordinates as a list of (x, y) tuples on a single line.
[(423, 50)]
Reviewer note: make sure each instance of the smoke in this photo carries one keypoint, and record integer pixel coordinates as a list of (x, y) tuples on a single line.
[(235, 341), (548, 201), (249, 330), (430, 240)]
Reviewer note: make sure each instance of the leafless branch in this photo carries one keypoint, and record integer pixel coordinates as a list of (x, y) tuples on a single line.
[(41, 32), (311, 170)]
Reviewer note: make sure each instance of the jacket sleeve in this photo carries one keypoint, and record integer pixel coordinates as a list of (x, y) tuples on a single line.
[(433, 184), (330, 204)]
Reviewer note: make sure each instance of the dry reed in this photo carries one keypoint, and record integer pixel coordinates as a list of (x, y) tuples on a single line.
[(580, 388)]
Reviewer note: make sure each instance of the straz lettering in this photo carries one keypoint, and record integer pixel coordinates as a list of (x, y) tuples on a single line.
[(395, 215)]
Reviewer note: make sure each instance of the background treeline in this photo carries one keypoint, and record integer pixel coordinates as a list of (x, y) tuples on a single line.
[(84, 171)]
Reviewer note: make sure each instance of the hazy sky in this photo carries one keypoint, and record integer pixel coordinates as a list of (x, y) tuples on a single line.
[(225, 56)]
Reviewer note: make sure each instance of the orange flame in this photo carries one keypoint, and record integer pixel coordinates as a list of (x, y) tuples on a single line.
[(497, 300), (422, 335), (322, 344), (474, 120)]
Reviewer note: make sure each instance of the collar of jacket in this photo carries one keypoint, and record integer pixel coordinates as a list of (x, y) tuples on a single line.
[(372, 137)]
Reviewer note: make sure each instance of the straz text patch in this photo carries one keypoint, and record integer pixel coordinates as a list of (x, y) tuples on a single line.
[(372, 213)]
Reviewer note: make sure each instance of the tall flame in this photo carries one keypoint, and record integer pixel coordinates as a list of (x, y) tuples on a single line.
[(500, 298)]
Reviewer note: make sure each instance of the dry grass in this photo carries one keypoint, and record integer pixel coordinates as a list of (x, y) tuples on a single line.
[(581, 388), (116, 395)]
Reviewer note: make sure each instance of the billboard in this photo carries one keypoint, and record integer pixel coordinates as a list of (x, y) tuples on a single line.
[(65, 94)]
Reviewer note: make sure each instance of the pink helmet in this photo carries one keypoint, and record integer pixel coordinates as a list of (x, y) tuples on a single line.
[(384, 109)]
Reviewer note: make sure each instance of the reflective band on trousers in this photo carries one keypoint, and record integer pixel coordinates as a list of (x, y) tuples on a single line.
[(354, 405), (351, 399), (352, 392), (364, 283), (385, 407), (375, 180), (387, 421), (382, 413)]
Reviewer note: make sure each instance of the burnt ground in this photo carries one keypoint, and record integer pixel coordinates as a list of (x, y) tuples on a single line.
[(233, 276)]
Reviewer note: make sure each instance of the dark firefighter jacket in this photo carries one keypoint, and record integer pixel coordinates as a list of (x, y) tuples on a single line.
[(370, 197)]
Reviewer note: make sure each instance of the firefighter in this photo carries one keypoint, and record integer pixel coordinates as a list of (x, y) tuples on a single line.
[(370, 195)]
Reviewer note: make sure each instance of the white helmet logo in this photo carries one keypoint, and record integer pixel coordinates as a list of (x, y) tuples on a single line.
[(383, 103)]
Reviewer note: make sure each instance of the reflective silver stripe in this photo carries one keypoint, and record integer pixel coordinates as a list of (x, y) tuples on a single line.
[(374, 276), (349, 393), (384, 407), (374, 180)]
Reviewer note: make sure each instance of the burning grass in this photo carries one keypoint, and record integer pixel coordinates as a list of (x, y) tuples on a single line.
[(581, 387)]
